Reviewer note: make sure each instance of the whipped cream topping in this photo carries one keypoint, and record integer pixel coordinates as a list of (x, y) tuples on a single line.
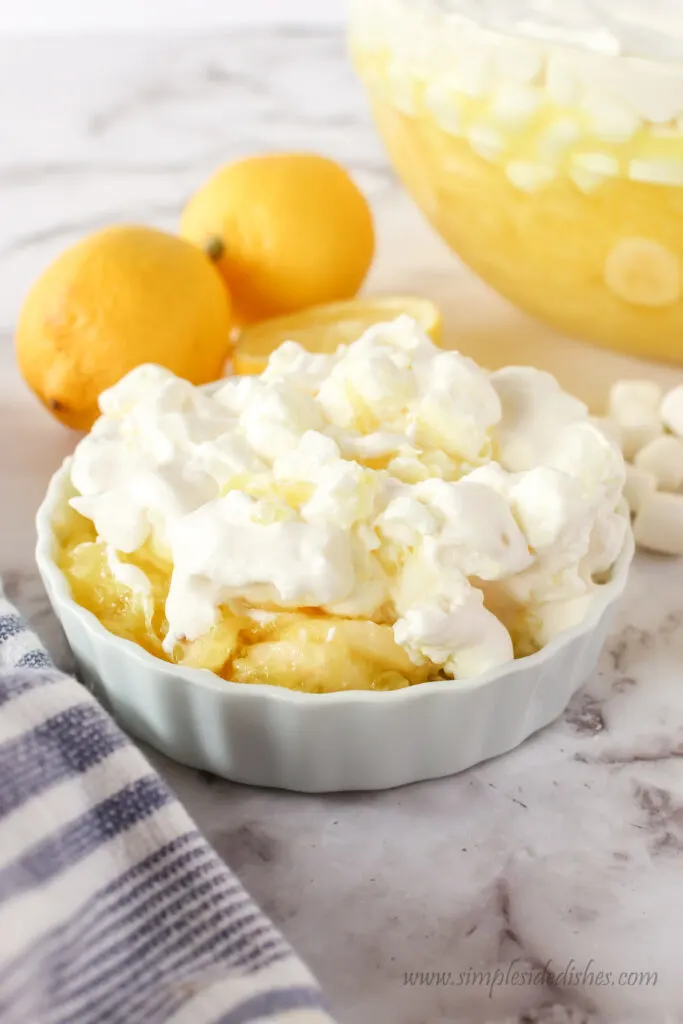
[(392, 481), (628, 27), (588, 89)]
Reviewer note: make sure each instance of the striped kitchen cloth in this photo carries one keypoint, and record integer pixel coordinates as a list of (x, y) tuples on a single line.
[(113, 907)]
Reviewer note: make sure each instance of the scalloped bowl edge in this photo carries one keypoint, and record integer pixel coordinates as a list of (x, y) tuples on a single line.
[(350, 740)]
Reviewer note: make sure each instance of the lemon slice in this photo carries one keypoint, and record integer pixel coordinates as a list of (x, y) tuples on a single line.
[(644, 273), (324, 328)]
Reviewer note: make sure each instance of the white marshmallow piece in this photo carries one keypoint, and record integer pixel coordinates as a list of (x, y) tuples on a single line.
[(558, 137), (597, 163), (663, 457), (639, 485), (528, 176), (586, 181), (672, 410), (515, 104), (657, 172), (473, 73), (487, 142), (634, 406), (560, 80), (659, 524), (441, 100), (611, 119)]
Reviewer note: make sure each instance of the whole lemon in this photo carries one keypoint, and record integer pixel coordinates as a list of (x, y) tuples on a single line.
[(121, 297), (286, 230)]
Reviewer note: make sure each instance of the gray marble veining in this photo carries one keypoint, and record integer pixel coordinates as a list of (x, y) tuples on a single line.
[(564, 856)]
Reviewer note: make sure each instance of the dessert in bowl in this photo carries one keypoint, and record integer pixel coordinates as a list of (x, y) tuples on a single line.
[(544, 141), (388, 518)]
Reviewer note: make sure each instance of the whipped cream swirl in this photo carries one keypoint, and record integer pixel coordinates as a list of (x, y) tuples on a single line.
[(628, 27)]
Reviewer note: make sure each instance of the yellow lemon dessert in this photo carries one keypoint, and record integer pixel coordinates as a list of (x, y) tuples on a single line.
[(373, 518), (545, 143)]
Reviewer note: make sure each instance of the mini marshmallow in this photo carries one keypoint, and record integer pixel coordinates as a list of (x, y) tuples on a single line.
[(659, 523), (636, 435), (639, 485), (634, 406), (627, 394), (663, 457), (671, 410)]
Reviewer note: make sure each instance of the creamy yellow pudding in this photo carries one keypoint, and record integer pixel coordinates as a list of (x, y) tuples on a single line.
[(550, 160), (302, 649), (369, 519)]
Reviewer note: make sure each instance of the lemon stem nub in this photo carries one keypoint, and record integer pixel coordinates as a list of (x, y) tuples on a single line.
[(214, 248)]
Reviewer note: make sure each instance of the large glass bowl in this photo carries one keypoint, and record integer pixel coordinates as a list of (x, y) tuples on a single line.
[(553, 170)]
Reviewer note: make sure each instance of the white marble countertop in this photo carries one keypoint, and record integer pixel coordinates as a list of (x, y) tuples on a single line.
[(568, 850)]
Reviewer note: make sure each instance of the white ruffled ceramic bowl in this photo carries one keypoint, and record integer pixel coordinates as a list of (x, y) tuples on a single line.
[(315, 743)]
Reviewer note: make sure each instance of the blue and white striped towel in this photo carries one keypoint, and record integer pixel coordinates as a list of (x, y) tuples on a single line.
[(113, 907)]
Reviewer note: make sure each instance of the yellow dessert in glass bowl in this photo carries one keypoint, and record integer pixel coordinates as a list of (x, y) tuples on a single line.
[(372, 518), (547, 153)]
